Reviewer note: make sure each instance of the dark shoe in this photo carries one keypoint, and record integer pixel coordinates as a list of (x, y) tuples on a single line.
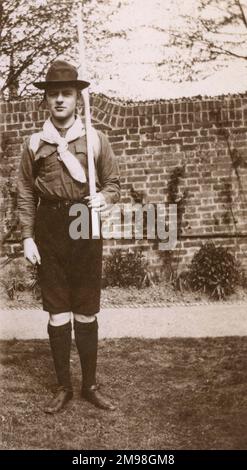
[(92, 395), (59, 401)]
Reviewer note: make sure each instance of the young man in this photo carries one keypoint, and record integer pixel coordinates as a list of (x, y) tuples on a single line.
[(53, 176)]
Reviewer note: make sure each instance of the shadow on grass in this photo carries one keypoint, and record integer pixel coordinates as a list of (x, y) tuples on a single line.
[(171, 393)]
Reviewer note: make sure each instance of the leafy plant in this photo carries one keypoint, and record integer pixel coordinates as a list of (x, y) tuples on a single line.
[(174, 196), (171, 272), (18, 276), (214, 270), (126, 268)]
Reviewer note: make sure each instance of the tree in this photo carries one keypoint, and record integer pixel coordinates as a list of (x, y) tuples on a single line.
[(32, 34), (213, 32), (35, 32)]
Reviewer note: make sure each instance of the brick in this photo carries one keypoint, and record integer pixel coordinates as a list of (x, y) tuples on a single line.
[(135, 111), (132, 122), (134, 130), (145, 130), (117, 132), (189, 147), (119, 145), (116, 138), (142, 110), (115, 109), (122, 111), (129, 111), (144, 121), (188, 133), (120, 122), (135, 144), (173, 141), (134, 151), (113, 121), (133, 137), (3, 108), (152, 143), (138, 179), (13, 126)]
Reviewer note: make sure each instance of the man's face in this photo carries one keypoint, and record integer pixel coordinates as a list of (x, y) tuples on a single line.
[(61, 102)]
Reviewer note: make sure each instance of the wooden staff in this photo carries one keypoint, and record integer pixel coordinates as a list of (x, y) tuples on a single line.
[(88, 124)]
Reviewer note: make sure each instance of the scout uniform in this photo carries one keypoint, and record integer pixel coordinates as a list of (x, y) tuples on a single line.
[(70, 269)]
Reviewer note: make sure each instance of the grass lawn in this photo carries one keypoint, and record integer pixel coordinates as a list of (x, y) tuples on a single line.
[(171, 394)]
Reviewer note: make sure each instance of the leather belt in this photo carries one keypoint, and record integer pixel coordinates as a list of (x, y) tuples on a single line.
[(61, 203)]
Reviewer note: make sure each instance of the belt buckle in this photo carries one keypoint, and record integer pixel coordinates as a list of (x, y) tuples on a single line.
[(57, 205)]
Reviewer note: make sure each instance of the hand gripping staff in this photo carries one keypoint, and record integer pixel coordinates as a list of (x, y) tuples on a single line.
[(88, 124)]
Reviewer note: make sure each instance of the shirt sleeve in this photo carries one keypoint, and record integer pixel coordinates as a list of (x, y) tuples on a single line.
[(26, 196), (108, 171)]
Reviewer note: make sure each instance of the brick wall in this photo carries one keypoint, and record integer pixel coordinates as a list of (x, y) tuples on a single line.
[(189, 151)]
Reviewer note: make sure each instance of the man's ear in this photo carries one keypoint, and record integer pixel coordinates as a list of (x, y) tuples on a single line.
[(79, 98), (79, 102), (43, 103)]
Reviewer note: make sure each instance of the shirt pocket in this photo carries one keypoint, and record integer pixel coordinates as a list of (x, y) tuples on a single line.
[(50, 166), (80, 153)]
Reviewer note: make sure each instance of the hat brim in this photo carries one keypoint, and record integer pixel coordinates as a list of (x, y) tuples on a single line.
[(79, 84)]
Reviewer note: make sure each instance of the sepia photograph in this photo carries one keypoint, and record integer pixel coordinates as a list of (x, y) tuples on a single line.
[(123, 284)]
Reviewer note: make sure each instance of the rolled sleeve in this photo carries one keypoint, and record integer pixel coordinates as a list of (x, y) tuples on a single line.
[(108, 171), (26, 196)]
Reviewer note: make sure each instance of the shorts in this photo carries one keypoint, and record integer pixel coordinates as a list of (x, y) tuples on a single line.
[(70, 271)]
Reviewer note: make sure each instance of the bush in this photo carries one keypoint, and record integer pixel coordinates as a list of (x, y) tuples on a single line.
[(125, 268), (214, 271), (18, 276), (243, 279)]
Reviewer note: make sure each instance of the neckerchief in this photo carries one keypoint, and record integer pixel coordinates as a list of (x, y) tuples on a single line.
[(51, 135)]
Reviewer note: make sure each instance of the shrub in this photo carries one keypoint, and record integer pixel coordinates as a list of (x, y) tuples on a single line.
[(214, 271), (19, 276), (170, 270), (243, 279), (126, 268)]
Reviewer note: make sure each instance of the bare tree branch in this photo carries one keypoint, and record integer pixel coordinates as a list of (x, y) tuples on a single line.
[(242, 12), (32, 34), (210, 37)]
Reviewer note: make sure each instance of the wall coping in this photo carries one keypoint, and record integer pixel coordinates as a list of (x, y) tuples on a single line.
[(122, 102)]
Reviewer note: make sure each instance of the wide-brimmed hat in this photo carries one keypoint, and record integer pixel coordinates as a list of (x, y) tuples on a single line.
[(61, 73)]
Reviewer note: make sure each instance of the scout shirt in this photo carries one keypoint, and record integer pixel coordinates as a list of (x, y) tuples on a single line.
[(43, 175)]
